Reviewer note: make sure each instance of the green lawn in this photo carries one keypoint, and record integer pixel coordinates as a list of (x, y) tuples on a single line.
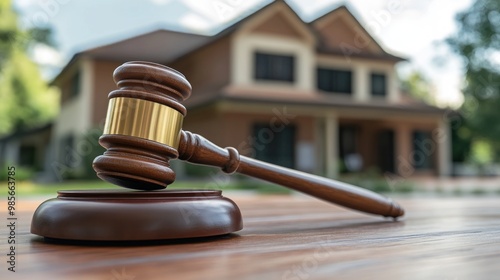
[(28, 188)]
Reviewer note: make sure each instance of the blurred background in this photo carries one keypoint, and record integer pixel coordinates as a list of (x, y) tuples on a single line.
[(395, 96)]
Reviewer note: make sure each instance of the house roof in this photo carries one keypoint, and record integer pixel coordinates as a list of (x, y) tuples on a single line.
[(26, 132), (346, 10), (162, 45), (384, 56), (240, 21), (182, 43), (333, 103), (134, 48), (308, 98), (322, 99)]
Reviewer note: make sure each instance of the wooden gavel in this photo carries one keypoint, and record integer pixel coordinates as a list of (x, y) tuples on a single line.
[(143, 131)]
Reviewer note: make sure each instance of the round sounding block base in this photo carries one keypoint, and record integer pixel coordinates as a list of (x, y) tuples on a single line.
[(118, 215)]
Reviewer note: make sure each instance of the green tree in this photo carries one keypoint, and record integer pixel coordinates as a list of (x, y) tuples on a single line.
[(25, 98), (461, 138), (477, 42), (417, 85)]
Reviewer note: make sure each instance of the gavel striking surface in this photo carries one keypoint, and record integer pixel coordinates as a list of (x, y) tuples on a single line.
[(120, 215)]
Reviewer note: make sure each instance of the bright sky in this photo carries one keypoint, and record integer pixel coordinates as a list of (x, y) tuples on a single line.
[(415, 30)]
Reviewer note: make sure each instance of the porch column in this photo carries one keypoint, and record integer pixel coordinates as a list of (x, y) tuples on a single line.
[(331, 146), (443, 138), (11, 152), (403, 149)]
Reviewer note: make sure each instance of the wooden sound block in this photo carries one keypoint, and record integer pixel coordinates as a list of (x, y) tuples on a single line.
[(120, 215)]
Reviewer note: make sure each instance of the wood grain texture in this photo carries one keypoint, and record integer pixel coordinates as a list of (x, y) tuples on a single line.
[(289, 237), (121, 215)]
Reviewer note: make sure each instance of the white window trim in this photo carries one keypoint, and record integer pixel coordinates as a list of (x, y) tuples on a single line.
[(361, 72), (243, 60)]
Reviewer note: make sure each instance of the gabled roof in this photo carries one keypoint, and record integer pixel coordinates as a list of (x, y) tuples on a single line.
[(240, 21), (164, 45), (26, 132), (343, 9)]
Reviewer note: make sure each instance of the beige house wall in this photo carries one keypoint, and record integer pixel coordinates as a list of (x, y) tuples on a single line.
[(264, 33), (75, 115)]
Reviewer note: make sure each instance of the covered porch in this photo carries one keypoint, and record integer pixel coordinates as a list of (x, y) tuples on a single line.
[(417, 146), (329, 138)]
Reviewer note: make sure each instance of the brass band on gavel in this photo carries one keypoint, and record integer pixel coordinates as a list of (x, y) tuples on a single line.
[(144, 119)]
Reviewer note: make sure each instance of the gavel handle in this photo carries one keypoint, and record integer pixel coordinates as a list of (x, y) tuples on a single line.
[(196, 149)]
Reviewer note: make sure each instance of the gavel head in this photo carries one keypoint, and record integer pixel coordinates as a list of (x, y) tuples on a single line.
[(143, 126)]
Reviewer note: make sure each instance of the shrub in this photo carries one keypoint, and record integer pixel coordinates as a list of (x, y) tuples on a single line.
[(199, 171), (22, 173), (478, 191)]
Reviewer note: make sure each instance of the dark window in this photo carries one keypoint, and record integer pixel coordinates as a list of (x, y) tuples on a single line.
[(27, 155), (422, 150), (274, 67), (378, 84), (75, 84), (277, 147), (331, 80)]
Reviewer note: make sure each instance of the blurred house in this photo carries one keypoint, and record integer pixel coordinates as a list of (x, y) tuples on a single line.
[(321, 97), (27, 148)]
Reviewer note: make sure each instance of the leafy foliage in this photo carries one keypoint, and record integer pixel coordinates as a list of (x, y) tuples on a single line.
[(461, 139), (419, 87), (26, 99), (478, 44)]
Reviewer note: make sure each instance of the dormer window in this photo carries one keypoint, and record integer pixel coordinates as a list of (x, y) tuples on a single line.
[(334, 80), (378, 84), (273, 67)]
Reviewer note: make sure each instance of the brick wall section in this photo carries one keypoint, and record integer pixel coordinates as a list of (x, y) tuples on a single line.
[(207, 69), (103, 85)]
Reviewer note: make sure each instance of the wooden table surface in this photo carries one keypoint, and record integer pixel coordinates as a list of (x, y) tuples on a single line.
[(288, 237)]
